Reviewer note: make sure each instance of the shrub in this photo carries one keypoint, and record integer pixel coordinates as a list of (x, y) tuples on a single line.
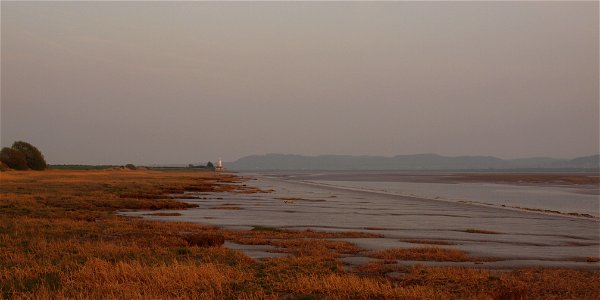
[(183, 251), (13, 159), (130, 167), (33, 156), (205, 240)]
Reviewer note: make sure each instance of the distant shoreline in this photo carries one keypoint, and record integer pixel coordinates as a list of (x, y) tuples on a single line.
[(504, 177), (413, 162)]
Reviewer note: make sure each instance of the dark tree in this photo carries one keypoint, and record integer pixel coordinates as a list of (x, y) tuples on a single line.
[(13, 159), (210, 165), (35, 159)]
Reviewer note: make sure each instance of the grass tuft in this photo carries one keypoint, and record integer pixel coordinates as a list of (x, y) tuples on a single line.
[(205, 240), (425, 254)]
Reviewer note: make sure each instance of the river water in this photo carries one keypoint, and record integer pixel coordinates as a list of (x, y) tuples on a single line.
[(578, 200), (403, 211)]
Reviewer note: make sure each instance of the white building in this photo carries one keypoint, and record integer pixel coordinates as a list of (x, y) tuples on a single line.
[(219, 167)]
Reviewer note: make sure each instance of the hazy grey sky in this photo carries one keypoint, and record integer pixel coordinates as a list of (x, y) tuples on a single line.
[(169, 82)]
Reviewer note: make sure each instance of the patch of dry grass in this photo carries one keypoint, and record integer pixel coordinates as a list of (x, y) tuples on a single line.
[(265, 233), (425, 254), (349, 286), (591, 259), (228, 206), (315, 247)]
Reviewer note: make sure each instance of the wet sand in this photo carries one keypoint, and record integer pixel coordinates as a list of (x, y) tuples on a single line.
[(522, 239), (529, 178)]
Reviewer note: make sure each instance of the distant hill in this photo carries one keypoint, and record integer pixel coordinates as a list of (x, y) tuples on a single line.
[(405, 162), (585, 162)]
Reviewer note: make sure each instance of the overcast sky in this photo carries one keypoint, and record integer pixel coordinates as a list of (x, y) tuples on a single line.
[(160, 82)]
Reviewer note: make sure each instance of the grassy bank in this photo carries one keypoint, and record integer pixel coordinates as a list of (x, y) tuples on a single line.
[(60, 238)]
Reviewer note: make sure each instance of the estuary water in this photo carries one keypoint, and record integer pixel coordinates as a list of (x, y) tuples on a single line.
[(583, 199), (406, 211), (562, 199)]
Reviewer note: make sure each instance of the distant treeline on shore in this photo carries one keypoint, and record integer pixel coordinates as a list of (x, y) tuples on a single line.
[(207, 167)]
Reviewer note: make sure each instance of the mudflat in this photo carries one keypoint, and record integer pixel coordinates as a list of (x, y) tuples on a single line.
[(558, 178), (499, 237)]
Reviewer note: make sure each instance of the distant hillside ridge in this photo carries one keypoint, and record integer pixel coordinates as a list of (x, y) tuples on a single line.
[(406, 162)]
